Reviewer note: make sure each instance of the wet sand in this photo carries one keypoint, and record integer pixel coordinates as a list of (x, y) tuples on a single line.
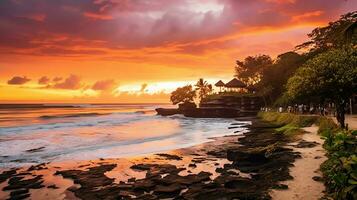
[(247, 165)]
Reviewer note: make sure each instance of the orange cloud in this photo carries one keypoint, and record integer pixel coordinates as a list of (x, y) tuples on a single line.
[(18, 80), (43, 80), (307, 15), (73, 82), (104, 85)]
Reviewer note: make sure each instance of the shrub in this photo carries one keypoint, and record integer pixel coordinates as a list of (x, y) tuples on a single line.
[(340, 170), (326, 124)]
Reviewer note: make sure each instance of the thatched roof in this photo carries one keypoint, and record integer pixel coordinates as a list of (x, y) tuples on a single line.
[(235, 83), (219, 84)]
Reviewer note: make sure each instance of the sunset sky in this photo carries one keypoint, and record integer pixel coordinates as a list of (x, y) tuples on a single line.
[(140, 50)]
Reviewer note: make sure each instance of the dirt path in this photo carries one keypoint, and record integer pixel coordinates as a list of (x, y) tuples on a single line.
[(303, 186)]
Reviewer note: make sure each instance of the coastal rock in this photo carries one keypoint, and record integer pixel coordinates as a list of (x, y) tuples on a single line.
[(37, 167), (169, 156), (6, 175), (280, 187), (91, 180), (192, 165), (318, 178), (167, 111), (306, 144), (53, 186), (31, 183), (168, 190)]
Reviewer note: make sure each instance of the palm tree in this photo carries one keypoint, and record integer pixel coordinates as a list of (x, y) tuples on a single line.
[(203, 88)]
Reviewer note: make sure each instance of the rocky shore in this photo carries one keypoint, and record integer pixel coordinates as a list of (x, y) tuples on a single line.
[(243, 166)]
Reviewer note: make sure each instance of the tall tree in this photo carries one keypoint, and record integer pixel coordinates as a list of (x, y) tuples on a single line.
[(203, 88), (250, 70), (274, 77), (331, 75)]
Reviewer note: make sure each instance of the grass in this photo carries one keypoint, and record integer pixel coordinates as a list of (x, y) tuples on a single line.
[(291, 124)]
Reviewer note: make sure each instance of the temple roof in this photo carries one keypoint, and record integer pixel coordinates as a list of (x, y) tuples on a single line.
[(235, 83), (219, 84)]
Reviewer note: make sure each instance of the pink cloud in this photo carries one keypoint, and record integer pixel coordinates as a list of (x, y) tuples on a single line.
[(116, 24)]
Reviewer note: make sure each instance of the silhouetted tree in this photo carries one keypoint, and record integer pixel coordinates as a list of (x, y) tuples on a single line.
[(250, 70), (335, 35), (203, 88), (183, 95)]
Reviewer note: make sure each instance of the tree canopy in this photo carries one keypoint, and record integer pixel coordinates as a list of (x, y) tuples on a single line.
[(331, 75), (183, 95), (249, 70), (203, 88), (336, 34), (275, 76)]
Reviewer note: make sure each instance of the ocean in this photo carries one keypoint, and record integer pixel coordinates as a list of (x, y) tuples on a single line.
[(38, 133)]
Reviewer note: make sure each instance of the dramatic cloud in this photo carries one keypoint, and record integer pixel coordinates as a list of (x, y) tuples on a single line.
[(43, 80), (144, 41), (94, 27), (18, 80), (104, 85), (73, 82)]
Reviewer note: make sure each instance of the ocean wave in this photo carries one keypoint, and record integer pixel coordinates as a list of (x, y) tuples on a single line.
[(72, 115), (101, 120)]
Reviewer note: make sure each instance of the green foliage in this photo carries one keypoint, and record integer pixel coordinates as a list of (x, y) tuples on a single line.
[(330, 75), (274, 77), (340, 170), (183, 95), (326, 125), (251, 68)]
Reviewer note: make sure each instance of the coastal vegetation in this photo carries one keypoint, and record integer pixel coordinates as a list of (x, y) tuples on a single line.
[(325, 72), (328, 76), (203, 88), (340, 169), (187, 94)]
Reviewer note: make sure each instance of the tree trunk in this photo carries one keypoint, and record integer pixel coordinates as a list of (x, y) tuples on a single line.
[(340, 113)]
